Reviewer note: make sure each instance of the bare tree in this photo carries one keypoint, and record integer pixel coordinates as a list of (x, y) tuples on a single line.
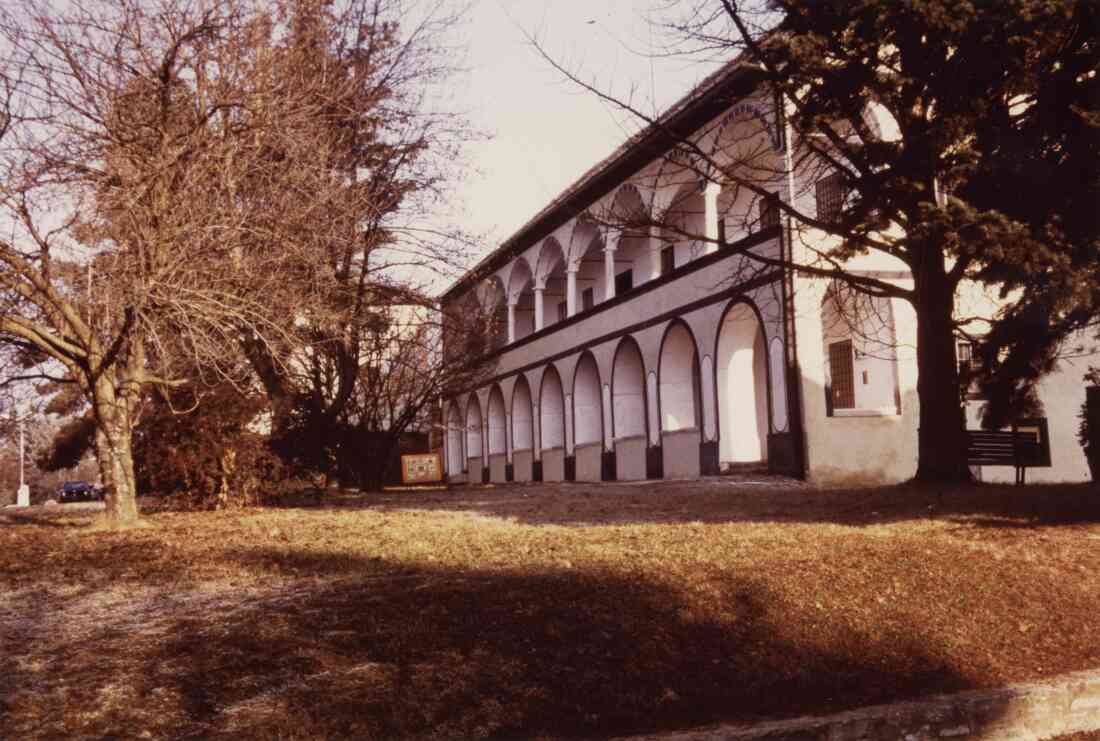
[(167, 176)]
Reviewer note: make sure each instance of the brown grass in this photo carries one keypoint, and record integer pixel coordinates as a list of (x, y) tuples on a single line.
[(539, 611)]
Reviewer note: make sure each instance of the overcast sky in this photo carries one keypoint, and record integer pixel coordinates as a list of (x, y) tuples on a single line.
[(546, 132)]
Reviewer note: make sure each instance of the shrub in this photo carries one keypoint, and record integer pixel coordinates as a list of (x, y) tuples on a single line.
[(1088, 433)]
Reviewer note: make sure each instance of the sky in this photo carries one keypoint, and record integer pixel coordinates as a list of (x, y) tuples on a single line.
[(545, 131)]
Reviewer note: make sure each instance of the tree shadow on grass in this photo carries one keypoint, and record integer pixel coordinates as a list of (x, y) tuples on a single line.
[(400, 651)]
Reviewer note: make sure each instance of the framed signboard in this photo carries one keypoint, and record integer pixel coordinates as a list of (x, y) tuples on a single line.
[(421, 468)]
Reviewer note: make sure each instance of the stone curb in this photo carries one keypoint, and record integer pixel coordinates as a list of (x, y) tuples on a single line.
[(1019, 712)]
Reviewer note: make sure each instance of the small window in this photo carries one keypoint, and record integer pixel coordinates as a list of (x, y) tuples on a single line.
[(588, 299), (842, 372), (668, 260), (769, 211), (831, 192), (563, 310), (965, 355), (624, 281)]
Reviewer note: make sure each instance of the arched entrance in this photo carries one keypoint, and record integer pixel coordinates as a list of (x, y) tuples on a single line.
[(629, 411), (741, 371), (474, 461), (587, 420), (498, 436), (552, 426), (456, 459), (523, 442), (679, 390)]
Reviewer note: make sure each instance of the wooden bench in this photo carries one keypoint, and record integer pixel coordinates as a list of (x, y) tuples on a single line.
[(1025, 445)]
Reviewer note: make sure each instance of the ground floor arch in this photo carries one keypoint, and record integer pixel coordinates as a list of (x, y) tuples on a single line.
[(741, 381), (588, 420), (474, 461), (497, 436), (523, 440), (628, 405), (552, 426), (680, 400), (456, 458)]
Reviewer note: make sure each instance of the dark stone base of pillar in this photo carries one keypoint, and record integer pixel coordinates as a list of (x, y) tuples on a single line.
[(485, 475), (607, 467), (509, 472), (782, 455), (536, 471), (708, 458), (570, 468), (654, 462)]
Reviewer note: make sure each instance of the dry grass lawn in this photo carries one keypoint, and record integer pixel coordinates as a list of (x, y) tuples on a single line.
[(565, 610)]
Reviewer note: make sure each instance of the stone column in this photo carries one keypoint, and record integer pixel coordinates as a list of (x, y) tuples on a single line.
[(511, 322), (539, 321), (571, 291), (609, 271), (710, 200)]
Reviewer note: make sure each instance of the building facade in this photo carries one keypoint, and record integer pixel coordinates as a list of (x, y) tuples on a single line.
[(642, 325)]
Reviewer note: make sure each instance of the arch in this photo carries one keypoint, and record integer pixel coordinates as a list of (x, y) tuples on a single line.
[(498, 423), (521, 296), (587, 402), (550, 275), (473, 428), (551, 410), (684, 225), (522, 416), (678, 382), (742, 384), (494, 306), (456, 457), (587, 259), (631, 218), (628, 391)]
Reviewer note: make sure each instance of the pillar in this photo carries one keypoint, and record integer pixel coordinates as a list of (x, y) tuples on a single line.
[(611, 243), (571, 291), (710, 201), (539, 321), (511, 322)]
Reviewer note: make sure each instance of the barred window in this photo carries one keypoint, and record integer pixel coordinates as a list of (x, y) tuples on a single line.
[(769, 211), (965, 355), (842, 374), (831, 192)]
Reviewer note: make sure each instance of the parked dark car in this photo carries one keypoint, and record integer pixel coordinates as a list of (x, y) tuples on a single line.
[(78, 491)]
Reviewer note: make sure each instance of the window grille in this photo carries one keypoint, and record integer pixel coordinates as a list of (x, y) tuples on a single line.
[(831, 192), (842, 375)]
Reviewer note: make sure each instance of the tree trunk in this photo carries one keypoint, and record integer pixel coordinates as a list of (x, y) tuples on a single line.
[(114, 452), (941, 440)]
